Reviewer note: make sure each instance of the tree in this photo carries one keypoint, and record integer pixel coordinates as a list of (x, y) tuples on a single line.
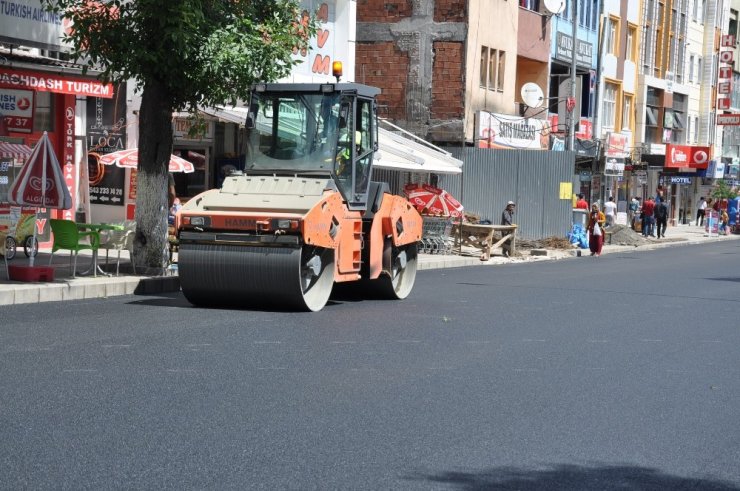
[(180, 53), (723, 191)]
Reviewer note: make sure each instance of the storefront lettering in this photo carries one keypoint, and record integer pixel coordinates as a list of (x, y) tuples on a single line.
[(13, 9), (28, 80)]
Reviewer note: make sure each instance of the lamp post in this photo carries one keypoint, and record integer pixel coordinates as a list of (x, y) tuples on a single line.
[(571, 117)]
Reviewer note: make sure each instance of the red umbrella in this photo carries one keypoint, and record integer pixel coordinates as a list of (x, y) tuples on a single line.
[(429, 200), (130, 159), (40, 182)]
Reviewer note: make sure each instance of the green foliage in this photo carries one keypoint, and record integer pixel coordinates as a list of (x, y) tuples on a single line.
[(722, 190), (202, 51)]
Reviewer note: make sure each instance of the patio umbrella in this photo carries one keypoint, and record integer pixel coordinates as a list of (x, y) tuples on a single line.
[(429, 200), (129, 159), (40, 182)]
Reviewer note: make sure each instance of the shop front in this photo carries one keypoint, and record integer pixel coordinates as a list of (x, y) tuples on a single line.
[(33, 101)]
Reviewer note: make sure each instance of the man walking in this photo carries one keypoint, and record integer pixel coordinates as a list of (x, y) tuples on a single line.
[(648, 209), (661, 218), (610, 210), (581, 204), (701, 211)]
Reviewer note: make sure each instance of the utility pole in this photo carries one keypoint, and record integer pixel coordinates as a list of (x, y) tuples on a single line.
[(571, 116)]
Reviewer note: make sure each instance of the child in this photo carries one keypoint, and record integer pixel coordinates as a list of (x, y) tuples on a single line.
[(724, 220)]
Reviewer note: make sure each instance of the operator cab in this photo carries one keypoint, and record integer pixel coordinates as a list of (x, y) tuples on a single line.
[(315, 129)]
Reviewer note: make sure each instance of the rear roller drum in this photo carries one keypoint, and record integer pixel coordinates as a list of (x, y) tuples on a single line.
[(399, 273)]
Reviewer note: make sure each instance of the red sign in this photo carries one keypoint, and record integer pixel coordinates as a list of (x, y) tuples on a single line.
[(617, 145), (728, 119), (677, 156), (50, 82), (68, 154), (570, 104)]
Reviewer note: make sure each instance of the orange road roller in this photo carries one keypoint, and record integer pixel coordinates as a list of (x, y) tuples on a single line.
[(304, 214)]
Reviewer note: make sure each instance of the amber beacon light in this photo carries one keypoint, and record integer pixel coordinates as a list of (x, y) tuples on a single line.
[(336, 69)]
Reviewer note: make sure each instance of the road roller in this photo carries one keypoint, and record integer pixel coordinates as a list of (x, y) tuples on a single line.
[(304, 213)]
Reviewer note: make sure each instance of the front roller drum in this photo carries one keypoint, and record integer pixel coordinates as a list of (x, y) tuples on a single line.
[(251, 276)]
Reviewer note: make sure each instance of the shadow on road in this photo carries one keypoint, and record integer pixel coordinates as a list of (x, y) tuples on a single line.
[(734, 279), (573, 478)]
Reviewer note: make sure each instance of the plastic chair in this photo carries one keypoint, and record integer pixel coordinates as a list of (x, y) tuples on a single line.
[(119, 240), (68, 237)]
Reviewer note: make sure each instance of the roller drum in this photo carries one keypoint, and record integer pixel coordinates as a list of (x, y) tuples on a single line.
[(256, 276)]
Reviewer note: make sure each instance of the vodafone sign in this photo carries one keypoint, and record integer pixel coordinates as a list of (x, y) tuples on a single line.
[(677, 156)]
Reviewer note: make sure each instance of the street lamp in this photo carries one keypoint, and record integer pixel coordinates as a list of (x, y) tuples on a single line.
[(570, 104)]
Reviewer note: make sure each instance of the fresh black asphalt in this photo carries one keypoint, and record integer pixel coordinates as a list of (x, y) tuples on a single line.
[(617, 372)]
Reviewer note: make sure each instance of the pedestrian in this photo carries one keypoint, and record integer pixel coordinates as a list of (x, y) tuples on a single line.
[(507, 218), (661, 218), (723, 222), (634, 206), (581, 204), (701, 211), (596, 222), (610, 209), (648, 218)]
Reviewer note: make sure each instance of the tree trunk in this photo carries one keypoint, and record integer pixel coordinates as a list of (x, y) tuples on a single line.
[(155, 148)]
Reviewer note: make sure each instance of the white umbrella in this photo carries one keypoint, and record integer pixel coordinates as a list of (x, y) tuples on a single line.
[(129, 159)]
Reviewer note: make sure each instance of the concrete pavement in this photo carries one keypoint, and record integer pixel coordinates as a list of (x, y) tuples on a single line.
[(64, 287)]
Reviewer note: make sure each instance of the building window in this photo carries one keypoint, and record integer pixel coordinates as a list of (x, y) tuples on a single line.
[(612, 28), (696, 129), (533, 5), (699, 68), (680, 102), (630, 51), (610, 105), (692, 61), (492, 68), (653, 127), (627, 110)]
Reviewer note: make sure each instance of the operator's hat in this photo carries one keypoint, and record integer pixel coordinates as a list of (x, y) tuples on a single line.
[(510, 203)]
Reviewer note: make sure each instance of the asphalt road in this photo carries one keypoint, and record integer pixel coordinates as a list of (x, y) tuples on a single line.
[(618, 372)]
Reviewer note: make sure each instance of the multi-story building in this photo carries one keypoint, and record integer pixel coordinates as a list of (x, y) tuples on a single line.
[(665, 121), (586, 47), (451, 71), (615, 124)]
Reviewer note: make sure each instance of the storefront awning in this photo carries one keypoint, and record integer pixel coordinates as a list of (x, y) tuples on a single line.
[(14, 151), (397, 152), (236, 115)]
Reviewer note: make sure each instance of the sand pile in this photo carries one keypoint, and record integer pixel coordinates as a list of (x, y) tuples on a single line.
[(623, 235)]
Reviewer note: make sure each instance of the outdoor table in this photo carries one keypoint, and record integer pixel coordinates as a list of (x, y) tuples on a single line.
[(97, 228), (481, 237)]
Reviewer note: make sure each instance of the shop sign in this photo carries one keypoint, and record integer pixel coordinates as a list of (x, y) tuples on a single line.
[(181, 128), (506, 132), (680, 180), (682, 156), (564, 50), (716, 169), (50, 82), (728, 119), (317, 59), (617, 145), (656, 148), (724, 82), (584, 176), (106, 133), (16, 108), (27, 23), (68, 154), (614, 166)]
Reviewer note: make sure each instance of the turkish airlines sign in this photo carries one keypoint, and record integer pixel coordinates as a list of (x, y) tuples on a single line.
[(49, 82), (677, 156), (16, 108)]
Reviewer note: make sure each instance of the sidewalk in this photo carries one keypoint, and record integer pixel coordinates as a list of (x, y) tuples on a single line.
[(88, 287)]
